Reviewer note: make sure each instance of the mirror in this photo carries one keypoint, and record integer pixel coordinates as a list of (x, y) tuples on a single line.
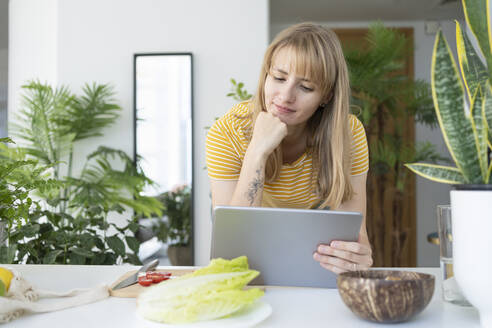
[(163, 146)]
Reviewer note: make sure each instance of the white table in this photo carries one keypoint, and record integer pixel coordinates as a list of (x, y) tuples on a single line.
[(292, 307)]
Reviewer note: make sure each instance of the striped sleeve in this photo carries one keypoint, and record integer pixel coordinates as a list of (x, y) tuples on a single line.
[(223, 159), (359, 151)]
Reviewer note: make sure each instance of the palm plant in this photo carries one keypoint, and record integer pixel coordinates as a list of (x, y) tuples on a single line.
[(72, 226), (388, 102)]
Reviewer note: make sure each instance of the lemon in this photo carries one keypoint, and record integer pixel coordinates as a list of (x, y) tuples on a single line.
[(6, 276), (2, 289)]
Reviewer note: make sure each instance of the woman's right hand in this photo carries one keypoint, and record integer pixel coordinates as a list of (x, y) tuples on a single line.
[(268, 133)]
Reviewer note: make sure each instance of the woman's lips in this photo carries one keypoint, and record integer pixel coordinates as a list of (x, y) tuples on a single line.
[(283, 110)]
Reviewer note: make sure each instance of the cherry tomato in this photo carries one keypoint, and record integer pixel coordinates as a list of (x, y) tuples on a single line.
[(143, 281), (158, 277), (149, 274)]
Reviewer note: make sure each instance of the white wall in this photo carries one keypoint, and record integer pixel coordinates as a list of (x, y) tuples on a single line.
[(71, 42), (33, 45), (429, 194)]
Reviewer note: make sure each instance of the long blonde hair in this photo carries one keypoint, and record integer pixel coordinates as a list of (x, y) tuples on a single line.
[(318, 56)]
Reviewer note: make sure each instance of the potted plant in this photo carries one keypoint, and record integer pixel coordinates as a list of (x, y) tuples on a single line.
[(68, 222), (387, 100), (18, 178), (175, 228), (464, 113)]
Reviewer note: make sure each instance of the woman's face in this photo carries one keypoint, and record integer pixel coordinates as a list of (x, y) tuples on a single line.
[(293, 99)]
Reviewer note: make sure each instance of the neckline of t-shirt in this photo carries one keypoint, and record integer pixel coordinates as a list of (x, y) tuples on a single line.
[(297, 161)]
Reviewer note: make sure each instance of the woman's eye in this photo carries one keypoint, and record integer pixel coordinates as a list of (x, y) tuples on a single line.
[(307, 89), (278, 78)]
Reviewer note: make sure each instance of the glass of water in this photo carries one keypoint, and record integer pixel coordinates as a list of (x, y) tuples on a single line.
[(3, 233), (450, 289)]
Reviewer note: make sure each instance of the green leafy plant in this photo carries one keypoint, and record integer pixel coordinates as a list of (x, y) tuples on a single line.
[(18, 178), (176, 228), (466, 131), (238, 92), (386, 98), (388, 102), (71, 224)]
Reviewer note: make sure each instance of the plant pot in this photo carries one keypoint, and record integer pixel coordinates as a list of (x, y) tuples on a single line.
[(472, 246), (180, 255)]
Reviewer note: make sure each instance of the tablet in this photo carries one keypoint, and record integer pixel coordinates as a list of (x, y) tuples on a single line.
[(280, 242)]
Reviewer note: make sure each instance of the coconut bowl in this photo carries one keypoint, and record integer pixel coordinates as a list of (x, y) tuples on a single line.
[(385, 296)]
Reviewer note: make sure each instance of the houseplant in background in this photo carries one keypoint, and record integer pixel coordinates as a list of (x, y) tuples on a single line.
[(18, 178), (175, 228), (465, 118), (388, 101), (70, 225)]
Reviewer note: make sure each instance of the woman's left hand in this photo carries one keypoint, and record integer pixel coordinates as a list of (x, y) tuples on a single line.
[(341, 256)]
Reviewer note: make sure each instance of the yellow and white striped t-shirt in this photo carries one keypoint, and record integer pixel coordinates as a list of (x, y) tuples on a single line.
[(228, 139)]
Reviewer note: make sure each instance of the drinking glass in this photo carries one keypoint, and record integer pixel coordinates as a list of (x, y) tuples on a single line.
[(3, 233), (450, 290)]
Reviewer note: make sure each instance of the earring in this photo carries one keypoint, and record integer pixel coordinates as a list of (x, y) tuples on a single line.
[(322, 105)]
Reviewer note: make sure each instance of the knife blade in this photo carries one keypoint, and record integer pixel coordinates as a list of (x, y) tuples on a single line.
[(134, 277)]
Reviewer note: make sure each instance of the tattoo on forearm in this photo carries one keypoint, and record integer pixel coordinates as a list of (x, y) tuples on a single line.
[(254, 187)]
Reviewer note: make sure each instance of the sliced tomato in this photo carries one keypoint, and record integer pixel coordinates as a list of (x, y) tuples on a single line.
[(150, 274), (158, 277), (143, 281)]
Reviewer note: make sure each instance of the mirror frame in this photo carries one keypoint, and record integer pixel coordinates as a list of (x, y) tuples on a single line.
[(135, 56)]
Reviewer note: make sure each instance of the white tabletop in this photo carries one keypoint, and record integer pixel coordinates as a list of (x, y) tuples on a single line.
[(292, 307)]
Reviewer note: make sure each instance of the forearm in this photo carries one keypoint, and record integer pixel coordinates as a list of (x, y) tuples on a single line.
[(268, 133), (249, 188)]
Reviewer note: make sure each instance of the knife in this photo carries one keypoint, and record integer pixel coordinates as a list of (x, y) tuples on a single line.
[(134, 277)]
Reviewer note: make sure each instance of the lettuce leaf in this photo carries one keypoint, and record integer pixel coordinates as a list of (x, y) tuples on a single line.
[(3, 290), (206, 294), (220, 265)]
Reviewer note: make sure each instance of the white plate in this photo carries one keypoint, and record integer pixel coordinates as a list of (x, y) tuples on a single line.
[(247, 317)]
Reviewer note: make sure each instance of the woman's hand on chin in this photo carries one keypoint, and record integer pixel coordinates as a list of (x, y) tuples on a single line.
[(268, 133), (342, 256)]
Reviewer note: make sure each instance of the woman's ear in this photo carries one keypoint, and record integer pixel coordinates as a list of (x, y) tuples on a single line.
[(330, 97), (327, 100)]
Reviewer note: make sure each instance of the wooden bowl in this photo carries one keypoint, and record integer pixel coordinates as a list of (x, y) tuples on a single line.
[(385, 295)]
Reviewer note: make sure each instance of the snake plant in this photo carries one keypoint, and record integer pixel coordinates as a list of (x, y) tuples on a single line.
[(464, 110)]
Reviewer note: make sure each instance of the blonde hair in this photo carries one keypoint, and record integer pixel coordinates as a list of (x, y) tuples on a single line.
[(317, 56)]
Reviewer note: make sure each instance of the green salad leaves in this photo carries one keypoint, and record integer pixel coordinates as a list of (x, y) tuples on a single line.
[(208, 293)]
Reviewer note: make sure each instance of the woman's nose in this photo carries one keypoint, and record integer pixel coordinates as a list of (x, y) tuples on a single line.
[(288, 93)]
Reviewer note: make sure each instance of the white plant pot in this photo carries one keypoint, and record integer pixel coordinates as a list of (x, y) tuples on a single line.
[(472, 248)]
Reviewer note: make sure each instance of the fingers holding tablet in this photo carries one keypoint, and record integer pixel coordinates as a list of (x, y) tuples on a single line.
[(341, 256)]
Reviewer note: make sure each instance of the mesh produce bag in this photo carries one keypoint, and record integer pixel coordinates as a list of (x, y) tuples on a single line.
[(23, 298)]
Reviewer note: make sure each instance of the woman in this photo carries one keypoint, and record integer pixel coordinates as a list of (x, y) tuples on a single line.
[(295, 144)]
